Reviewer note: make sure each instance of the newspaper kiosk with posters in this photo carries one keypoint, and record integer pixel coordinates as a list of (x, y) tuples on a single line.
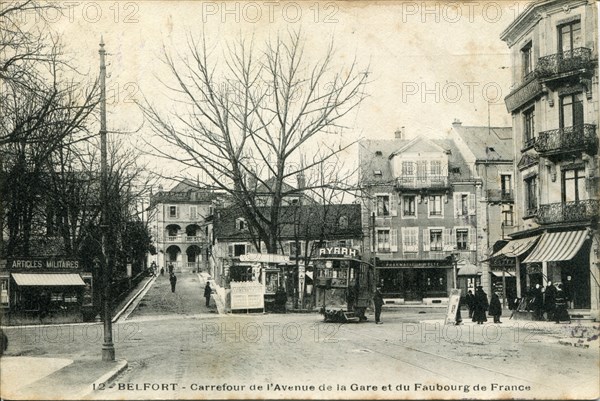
[(344, 284)]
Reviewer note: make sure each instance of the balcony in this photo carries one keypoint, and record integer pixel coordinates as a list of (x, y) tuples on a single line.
[(579, 138), (529, 89), (560, 64), (418, 182), (568, 212), (498, 195)]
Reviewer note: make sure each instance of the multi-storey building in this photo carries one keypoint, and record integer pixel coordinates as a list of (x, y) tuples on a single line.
[(554, 106), (489, 153), (179, 227), (419, 215)]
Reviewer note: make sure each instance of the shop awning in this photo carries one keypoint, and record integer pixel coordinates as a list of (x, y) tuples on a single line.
[(468, 269), (498, 273), (47, 279), (554, 247), (516, 247)]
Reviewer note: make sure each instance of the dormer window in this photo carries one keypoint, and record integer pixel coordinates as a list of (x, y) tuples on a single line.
[(343, 222), (240, 223)]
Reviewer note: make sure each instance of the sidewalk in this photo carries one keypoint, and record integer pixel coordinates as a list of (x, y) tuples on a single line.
[(30, 378)]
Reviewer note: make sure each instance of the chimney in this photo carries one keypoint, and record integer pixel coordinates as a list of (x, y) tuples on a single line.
[(456, 123), (301, 180), (399, 134)]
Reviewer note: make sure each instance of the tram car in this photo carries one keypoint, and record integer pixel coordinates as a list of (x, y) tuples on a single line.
[(344, 283)]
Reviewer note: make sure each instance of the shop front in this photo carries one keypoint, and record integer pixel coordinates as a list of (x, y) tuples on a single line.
[(38, 290), (424, 281)]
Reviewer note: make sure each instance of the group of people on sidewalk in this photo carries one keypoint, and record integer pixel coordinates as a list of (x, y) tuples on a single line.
[(478, 306), (553, 301)]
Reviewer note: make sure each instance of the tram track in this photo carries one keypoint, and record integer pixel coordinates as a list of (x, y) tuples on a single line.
[(385, 341)]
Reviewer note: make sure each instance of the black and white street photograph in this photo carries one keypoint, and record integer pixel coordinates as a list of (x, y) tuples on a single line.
[(312, 199)]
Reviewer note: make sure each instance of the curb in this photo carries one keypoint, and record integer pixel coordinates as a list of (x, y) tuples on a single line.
[(104, 379), (133, 299)]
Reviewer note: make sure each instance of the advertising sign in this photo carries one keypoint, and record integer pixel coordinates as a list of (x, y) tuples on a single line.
[(247, 295), (453, 302)]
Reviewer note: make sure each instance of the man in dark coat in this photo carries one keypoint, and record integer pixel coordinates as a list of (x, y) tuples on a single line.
[(481, 305), (170, 269), (470, 299), (378, 301), (550, 301), (560, 312), (537, 303), (207, 292), (173, 280), (495, 308)]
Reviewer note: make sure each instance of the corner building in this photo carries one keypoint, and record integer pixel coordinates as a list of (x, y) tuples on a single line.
[(554, 107)]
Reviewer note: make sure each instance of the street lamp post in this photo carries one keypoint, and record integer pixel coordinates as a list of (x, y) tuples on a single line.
[(108, 348)]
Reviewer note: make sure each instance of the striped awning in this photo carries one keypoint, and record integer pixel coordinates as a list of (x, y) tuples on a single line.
[(554, 247), (47, 279), (516, 247)]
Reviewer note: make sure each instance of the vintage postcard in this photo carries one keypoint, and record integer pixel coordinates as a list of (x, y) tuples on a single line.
[(299, 199)]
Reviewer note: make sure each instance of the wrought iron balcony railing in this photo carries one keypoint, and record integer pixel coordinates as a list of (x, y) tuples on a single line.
[(569, 139), (566, 61), (498, 195), (568, 212), (418, 182)]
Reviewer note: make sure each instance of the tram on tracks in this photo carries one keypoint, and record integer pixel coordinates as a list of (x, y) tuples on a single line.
[(345, 284)]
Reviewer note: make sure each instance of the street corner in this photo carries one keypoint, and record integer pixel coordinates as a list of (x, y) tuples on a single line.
[(18, 372)]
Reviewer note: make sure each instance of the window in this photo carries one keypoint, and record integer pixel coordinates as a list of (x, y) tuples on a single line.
[(573, 184), (408, 168), (409, 205), (383, 205), (410, 240), (239, 249), (193, 212), (528, 127), (462, 239), (531, 199), (506, 185), (435, 240), (422, 170), (383, 241), (294, 248), (435, 205), (571, 110), (507, 215), (4, 292), (436, 168), (240, 223), (569, 38), (172, 211), (343, 222), (527, 58), (462, 206)]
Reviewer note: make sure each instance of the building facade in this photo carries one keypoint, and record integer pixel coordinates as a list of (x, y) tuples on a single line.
[(488, 151), (554, 107), (419, 216), (178, 223)]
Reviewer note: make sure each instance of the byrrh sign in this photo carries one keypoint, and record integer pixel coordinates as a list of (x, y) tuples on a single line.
[(338, 251), (41, 264)]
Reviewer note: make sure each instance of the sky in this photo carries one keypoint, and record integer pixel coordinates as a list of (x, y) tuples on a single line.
[(429, 62)]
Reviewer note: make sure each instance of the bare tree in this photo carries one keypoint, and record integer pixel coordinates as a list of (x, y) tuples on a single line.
[(245, 121)]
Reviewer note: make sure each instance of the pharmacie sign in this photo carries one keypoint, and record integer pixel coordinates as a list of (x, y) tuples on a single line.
[(42, 264)]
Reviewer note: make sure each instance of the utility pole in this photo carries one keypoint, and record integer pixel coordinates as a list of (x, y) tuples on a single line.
[(108, 348)]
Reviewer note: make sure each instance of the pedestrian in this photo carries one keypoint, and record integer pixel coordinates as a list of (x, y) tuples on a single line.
[(153, 269), (470, 299), (378, 301), (481, 305), (560, 312), (537, 303), (280, 299), (495, 307), (207, 292), (550, 301), (569, 294), (170, 269), (173, 280), (162, 271)]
